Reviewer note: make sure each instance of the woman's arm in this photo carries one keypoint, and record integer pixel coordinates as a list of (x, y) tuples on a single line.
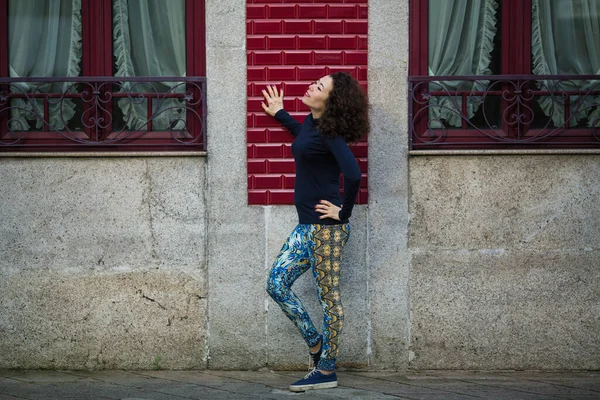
[(274, 108), (352, 176)]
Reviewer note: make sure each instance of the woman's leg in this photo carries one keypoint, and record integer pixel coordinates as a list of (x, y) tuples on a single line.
[(327, 269), (294, 260)]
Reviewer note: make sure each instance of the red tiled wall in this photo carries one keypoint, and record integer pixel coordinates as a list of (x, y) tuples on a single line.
[(291, 43)]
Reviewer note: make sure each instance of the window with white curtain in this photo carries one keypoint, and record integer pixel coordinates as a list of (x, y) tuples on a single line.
[(68, 38), (509, 37)]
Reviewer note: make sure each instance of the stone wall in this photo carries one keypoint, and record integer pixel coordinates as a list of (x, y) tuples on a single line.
[(103, 263), (505, 257)]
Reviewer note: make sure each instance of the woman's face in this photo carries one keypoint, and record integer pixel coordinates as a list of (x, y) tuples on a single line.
[(317, 94)]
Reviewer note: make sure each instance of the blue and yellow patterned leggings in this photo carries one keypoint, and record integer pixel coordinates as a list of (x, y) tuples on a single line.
[(318, 247)]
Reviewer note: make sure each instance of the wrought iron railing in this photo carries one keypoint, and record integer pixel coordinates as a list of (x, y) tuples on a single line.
[(504, 111), (103, 113)]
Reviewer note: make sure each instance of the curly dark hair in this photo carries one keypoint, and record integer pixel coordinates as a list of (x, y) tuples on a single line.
[(346, 110)]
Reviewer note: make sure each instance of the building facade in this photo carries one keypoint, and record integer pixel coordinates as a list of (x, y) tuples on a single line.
[(141, 214)]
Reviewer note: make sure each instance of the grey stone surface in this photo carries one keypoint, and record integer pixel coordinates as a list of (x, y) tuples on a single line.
[(103, 263), (265, 384), (504, 262), (496, 202), (388, 256), (235, 231)]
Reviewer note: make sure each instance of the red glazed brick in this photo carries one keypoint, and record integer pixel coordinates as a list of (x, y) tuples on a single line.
[(329, 26), (295, 88), (312, 11), (282, 11), (250, 150), (355, 58), (297, 27), (281, 196), (257, 74), (249, 27), (363, 164), (289, 181), (349, 70), (298, 1), (256, 136), (256, 197), (363, 12), (250, 120), (364, 181), (267, 57), (311, 73), (282, 166), (311, 43), (266, 121), (363, 196), (256, 43), (362, 73), (357, 1), (339, 42), (359, 150), (264, 27), (281, 73), (250, 89), (250, 58), (363, 42), (294, 58), (342, 11), (328, 58), (279, 136), (287, 151), (257, 166), (268, 182), (268, 151), (359, 26), (253, 104), (256, 12), (250, 182), (281, 42)]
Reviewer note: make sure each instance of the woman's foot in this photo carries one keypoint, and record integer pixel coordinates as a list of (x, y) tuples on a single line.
[(315, 379)]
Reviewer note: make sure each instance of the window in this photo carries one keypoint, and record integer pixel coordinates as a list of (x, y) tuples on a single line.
[(504, 74), (102, 75)]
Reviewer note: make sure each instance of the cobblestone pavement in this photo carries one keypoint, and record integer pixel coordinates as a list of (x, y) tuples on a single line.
[(162, 385)]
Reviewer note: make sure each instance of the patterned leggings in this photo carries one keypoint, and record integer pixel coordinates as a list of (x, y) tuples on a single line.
[(318, 247)]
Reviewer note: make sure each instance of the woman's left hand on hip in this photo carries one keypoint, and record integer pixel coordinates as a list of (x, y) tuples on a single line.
[(328, 209)]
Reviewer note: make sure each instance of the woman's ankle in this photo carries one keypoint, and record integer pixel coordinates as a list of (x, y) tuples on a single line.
[(315, 349)]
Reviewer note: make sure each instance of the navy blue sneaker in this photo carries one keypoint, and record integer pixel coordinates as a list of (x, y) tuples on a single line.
[(315, 380)]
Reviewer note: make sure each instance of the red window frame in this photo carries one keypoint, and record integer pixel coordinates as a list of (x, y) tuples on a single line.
[(516, 62), (97, 61)]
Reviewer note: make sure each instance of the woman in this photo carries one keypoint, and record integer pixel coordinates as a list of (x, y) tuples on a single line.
[(338, 115)]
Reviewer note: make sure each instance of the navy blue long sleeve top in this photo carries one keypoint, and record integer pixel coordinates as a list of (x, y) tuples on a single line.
[(319, 161)]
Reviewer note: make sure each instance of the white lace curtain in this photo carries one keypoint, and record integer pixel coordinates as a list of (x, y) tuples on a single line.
[(44, 41), (566, 41), (149, 40), (461, 39)]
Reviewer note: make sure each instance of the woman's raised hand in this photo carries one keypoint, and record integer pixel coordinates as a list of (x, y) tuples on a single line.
[(273, 99)]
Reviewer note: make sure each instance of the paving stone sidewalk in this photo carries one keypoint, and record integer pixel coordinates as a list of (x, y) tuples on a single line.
[(163, 385)]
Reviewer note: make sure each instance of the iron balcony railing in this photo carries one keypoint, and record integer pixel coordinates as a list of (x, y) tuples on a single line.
[(504, 111), (103, 113)]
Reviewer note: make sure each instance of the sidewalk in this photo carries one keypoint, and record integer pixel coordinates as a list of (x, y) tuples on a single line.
[(163, 385)]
